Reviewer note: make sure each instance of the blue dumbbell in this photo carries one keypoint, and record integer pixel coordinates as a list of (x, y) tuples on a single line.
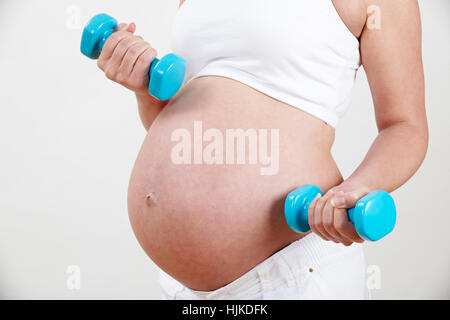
[(373, 216), (165, 75)]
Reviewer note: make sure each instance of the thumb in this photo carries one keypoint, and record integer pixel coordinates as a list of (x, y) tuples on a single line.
[(130, 27), (346, 200)]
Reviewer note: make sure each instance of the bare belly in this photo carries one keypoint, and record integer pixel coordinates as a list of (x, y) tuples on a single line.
[(207, 224)]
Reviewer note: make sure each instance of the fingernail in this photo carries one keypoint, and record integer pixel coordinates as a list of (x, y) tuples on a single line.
[(338, 201), (317, 196)]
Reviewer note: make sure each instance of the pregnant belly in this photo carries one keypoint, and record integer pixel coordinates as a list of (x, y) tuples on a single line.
[(207, 211)]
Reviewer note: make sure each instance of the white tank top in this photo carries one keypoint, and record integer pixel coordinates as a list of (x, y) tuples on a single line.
[(297, 51)]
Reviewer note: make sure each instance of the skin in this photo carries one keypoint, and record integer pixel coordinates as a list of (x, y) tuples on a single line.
[(391, 57)]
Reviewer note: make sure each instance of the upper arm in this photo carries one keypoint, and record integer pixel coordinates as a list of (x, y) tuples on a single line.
[(391, 54)]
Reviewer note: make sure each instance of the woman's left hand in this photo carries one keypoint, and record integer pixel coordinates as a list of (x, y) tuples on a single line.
[(327, 215)]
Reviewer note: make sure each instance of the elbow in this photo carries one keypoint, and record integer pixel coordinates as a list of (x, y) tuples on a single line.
[(420, 133), (426, 138), (419, 141), (415, 134)]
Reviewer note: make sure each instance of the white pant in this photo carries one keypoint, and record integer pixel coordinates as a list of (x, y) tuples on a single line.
[(309, 268)]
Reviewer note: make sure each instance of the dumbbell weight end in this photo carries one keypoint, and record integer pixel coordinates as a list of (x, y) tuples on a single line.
[(95, 34)]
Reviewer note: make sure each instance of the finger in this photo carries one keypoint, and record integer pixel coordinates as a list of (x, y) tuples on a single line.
[(128, 27), (346, 200), (318, 216), (131, 56), (131, 27), (344, 227), (339, 200), (122, 26), (110, 45), (328, 222), (121, 49), (140, 70), (340, 224), (311, 211)]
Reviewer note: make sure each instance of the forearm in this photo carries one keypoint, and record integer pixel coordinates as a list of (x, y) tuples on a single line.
[(149, 108), (395, 155)]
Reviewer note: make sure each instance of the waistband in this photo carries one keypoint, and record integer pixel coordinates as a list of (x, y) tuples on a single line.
[(301, 256)]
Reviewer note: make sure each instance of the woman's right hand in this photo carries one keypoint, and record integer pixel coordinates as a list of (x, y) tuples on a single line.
[(126, 59)]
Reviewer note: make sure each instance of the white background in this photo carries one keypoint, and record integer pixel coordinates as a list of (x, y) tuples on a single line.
[(69, 138)]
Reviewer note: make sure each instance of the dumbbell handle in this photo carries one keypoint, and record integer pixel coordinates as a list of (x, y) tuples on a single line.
[(309, 200), (350, 211)]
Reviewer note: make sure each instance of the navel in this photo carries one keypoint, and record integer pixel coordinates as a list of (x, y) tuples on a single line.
[(150, 199)]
